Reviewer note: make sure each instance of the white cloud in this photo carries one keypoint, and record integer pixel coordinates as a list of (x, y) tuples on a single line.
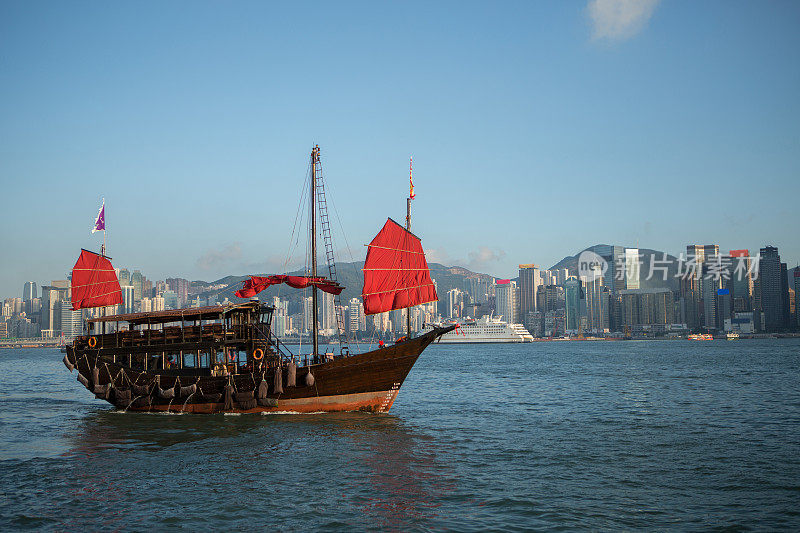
[(617, 20), (480, 260), (215, 260)]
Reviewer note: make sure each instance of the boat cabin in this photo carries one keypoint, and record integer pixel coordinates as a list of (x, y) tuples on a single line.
[(214, 340)]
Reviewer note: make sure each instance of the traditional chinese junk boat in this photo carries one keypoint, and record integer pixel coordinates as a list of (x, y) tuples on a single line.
[(225, 358)]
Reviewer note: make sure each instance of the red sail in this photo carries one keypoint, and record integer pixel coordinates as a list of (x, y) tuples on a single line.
[(396, 273), (94, 282), (256, 284)]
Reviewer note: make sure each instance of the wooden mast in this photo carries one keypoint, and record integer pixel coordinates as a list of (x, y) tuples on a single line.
[(408, 228), (314, 323)]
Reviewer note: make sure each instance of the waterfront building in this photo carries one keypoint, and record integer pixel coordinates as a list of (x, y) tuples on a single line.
[(614, 256), (796, 294), (71, 321), (771, 289), (478, 289), (724, 310), (170, 299), (356, 315), (127, 298), (632, 268), (740, 323), (697, 257), (146, 305), (647, 307), (596, 301), (506, 300), (454, 303), (572, 300), (529, 282), (741, 282), (158, 303)]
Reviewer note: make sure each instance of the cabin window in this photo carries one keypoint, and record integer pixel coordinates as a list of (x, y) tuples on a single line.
[(188, 360)]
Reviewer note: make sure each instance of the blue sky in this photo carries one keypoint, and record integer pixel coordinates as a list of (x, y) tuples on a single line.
[(536, 128)]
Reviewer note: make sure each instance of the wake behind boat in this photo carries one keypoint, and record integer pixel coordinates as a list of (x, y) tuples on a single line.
[(225, 358)]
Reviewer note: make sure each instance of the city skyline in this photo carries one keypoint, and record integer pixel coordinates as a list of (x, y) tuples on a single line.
[(530, 126)]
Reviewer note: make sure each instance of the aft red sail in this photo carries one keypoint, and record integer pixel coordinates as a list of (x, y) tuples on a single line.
[(396, 273), (94, 282), (256, 284)]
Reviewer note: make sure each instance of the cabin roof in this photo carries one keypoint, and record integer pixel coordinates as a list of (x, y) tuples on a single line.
[(173, 315)]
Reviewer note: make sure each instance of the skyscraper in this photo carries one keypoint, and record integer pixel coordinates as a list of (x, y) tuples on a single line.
[(632, 268), (453, 303), (29, 291), (127, 298), (506, 300), (137, 280), (596, 307), (772, 298), (572, 297), (741, 283), (181, 288), (797, 295), (529, 282), (697, 257)]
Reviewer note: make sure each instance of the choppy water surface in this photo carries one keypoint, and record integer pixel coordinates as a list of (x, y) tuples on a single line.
[(656, 435)]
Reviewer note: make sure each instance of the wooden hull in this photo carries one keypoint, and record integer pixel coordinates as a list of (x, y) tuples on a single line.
[(365, 382)]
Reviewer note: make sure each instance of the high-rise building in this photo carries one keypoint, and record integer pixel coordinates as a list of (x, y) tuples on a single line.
[(572, 298), (307, 312), (454, 303), (632, 268), (124, 276), (771, 285), (741, 281), (71, 321), (356, 315), (797, 296), (170, 299), (692, 290), (137, 280), (181, 288), (29, 291), (614, 256), (327, 311), (127, 298), (529, 282), (596, 301), (647, 307), (506, 300)]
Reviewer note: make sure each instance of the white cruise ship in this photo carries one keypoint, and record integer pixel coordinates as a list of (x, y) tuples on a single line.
[(486, 329)]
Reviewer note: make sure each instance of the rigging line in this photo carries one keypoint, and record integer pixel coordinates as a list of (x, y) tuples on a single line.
[(295, 227), (346, 242)]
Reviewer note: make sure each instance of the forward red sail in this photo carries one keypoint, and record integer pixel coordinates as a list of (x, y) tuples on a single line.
[(396, 273), (256, 284), (94, 282)]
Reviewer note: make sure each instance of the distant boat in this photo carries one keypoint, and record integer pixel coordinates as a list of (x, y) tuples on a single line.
[(225, 358), (487, 329), (701, 337), (732, 336)]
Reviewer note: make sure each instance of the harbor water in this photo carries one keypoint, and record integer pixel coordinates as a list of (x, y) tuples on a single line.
[(667, 435)]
